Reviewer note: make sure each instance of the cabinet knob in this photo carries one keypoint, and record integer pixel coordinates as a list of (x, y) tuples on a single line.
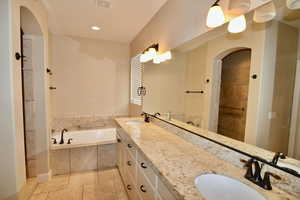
[(129, 145), (143, 165), (129, 163), (142, 188), (128, 187), (119, 140)]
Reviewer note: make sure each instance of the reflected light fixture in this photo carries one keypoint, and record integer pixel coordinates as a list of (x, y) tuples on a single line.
[(215, 16), (95, 28), (293, 4), (237, 24), (162, 57), (150, 53), (265, 13)]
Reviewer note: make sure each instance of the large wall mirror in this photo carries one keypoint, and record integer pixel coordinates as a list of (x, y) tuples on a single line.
[(244, 86)]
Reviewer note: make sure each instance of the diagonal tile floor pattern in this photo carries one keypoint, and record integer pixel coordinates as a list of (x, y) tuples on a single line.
[(92, 185)]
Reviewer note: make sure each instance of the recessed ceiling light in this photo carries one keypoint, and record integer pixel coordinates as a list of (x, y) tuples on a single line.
[(95, 28)]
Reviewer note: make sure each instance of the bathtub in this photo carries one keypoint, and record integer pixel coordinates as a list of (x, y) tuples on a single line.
[(84, 138)]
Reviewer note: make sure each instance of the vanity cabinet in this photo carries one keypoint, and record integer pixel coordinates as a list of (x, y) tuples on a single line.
[(139, 179)]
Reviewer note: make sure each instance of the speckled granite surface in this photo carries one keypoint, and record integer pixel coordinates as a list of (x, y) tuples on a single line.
[(179, 162)]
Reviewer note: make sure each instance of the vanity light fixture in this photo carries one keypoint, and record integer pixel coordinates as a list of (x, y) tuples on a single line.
[(215, 16), (293, 4), (95, 28), (265, 13), (162, 57), (150, 53), (237, 24)]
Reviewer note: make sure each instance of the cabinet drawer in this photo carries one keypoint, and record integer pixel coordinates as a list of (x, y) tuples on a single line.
[(144, 166), (163, 191), (131, 188), (145, 189), (130, 165)]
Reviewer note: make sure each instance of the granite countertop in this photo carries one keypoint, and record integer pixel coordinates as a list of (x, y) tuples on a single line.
[(179, 162)]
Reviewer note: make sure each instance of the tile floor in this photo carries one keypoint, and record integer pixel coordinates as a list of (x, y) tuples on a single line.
[(92, 185)]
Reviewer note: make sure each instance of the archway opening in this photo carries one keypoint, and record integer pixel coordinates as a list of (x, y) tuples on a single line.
[(31, 62)]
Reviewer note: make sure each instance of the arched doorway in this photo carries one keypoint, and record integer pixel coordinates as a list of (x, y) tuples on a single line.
[(32, 60), (234, 85)]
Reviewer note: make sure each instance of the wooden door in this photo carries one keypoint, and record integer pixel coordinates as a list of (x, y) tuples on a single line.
[(234, 94)]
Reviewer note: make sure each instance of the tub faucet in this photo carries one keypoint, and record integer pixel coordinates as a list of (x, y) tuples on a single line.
[(62, 136)]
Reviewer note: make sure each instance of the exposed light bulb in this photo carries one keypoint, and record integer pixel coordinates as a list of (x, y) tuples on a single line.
[(95, 28), (156, 60), (152, 53), (143, 58), (215, 16), (237, 25)]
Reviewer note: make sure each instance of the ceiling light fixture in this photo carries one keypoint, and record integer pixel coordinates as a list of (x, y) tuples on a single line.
[(215, 16), (95, 28), (237, 24)]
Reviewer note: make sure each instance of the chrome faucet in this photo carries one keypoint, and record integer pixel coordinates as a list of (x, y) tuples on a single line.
[(276, 157), (62, 136)]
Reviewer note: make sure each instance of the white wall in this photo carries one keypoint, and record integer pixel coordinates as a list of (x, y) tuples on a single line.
[(91, 76), (12, 133), (8, 174)]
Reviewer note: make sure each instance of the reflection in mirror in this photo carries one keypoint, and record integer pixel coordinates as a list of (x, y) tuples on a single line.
[(243, 86)]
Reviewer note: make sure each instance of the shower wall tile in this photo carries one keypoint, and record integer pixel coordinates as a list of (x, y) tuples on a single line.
[(30, 145), (31, 168), (60, 162), (28, 85), (29, 115), (107, 156), (84, 159), (84, 122)]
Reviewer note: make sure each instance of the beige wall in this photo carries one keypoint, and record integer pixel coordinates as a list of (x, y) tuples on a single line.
[(165, 84), (176, 23), (9, 173), (91, 76)]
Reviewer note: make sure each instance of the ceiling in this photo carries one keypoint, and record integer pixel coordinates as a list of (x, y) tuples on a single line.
[(121, 22)]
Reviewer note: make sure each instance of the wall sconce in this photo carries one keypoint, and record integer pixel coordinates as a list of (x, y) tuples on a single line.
[(237, 24), (215, 16)]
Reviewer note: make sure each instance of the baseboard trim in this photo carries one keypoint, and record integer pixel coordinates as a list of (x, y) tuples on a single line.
[(42, 178)]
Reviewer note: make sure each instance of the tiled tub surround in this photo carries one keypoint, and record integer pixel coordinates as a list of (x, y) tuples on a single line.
[(83, 123), (178, 162), (84, 138), (98, 157), (288, 182)]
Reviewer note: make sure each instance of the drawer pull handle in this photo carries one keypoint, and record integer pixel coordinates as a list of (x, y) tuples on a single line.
[(143, 188), (143, 165), (129, 163), (128, 187), (129, 145)]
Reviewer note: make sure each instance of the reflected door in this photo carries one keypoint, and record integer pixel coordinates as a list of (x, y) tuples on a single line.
[(234, 94)]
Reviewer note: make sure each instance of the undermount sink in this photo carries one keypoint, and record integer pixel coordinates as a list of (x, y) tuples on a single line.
[(218, 187), (289, 166), (134, 122)]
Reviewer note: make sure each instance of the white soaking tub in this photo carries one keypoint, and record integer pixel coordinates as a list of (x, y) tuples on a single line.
[(84, 138)]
